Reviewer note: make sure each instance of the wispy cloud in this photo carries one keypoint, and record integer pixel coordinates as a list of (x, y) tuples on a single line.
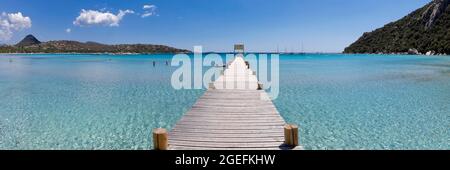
[(68, 30), (93, 17), (9, 23), (148, 6), (149, 10)]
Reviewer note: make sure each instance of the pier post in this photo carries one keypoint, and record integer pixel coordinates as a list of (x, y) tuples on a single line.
[(212, 86), (247, 64), (294, 135), (160, 139), (291, 135), (260, 86)]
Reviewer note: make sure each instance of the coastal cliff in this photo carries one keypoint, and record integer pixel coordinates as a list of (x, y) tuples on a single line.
[(31, 44), (424, 31)]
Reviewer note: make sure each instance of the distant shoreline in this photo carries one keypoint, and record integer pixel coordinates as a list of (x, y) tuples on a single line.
[(206, 53), (94, 53), (75, 53), (419, 54)]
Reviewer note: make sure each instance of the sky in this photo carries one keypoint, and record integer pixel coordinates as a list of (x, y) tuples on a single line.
[(262, 25)]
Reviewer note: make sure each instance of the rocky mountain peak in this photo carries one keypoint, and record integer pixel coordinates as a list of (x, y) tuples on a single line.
[(434, 11), (28, 40)]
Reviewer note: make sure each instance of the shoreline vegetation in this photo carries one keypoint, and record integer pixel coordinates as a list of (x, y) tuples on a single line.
[(425, 31), (206, 53), (31, 45), (410, 52), (105, 53), (112, 54)]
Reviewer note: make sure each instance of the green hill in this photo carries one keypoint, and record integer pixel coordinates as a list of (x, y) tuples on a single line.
[(425, 31), (31, 44)]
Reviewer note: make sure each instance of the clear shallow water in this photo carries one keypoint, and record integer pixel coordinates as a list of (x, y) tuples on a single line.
[(113, 102), (87, 102), (367, 102)]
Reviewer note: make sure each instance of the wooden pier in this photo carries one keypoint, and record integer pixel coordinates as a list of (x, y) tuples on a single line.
[(233, 114)]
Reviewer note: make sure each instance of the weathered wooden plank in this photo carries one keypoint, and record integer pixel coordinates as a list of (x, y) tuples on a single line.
[(224, 127), (218, 115), (234, 91), (215, 148), (225, 107), (225, 144), (231, 118), (241, 119), (236, 115), (231, 111), (227, 131), (248, 97), (225, 112), (213, 135), (227, 121), (231, 123), (228, 140), (235, 103)]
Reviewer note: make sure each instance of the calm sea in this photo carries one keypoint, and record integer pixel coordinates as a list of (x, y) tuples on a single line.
[(114, 102)]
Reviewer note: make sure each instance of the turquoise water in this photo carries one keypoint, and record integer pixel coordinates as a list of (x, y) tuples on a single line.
[(113, 102), (367, 101)]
